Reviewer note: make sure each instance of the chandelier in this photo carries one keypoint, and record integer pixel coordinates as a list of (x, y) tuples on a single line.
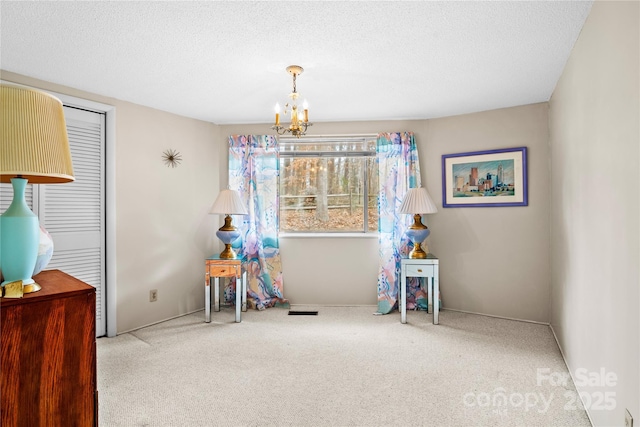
[(299, 119)]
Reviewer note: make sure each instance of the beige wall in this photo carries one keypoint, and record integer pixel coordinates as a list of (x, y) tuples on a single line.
[(488, 255), (494, 260), (594, 132), (163, 231)]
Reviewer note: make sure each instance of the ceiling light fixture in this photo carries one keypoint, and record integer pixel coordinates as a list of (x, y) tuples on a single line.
[(299, 119)]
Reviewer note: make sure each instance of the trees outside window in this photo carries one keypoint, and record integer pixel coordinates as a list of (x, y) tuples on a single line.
[(328, 185)]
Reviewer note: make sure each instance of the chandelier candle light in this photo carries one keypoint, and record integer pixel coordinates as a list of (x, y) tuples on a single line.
[(299, 119), (228, 203), (417, 201), (34, 148)]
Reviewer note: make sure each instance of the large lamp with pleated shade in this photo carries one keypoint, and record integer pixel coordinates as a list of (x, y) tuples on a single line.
[(228, 203), (417, 201), (34, 148)]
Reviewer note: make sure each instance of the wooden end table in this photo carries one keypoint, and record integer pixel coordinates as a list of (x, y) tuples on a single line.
[(217, 268)]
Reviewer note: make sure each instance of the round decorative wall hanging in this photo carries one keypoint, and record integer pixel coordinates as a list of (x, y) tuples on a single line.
[(171, 158)]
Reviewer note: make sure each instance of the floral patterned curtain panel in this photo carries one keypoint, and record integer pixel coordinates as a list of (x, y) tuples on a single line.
[(398, 170), (253, 172)]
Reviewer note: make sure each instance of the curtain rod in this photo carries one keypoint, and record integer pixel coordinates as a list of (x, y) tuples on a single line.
[(326, 137)]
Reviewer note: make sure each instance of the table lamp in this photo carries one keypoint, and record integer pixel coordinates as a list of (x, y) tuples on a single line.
[(228, 203), (417, 201), (34, 148)]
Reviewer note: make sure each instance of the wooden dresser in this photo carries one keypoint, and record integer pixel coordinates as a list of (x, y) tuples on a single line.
[(48, 359)]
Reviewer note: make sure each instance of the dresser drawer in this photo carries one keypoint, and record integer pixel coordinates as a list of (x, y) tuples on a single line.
[(419, 270), (224, 270)]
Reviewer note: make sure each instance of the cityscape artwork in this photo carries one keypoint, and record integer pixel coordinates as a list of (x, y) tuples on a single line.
[(485, 178)]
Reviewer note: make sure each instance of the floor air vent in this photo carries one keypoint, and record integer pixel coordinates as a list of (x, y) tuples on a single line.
[(302, 313)]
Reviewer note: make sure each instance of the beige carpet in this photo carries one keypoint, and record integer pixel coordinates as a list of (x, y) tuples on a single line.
[(344, 367)]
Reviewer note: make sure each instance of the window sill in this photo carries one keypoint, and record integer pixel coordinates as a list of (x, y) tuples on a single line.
[(329, 235)]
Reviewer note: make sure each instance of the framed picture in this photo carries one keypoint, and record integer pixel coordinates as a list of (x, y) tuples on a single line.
[(485, 178)]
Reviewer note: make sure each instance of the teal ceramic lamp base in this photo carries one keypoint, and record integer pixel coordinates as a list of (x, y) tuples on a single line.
[(19, 238)]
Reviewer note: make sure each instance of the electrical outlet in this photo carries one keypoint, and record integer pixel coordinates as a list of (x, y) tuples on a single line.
[(628, 419), (153, 295)]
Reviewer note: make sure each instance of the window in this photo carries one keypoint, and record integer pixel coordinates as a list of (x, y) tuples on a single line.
[(328, 184)]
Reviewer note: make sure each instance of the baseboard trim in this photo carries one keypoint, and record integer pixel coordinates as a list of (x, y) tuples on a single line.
[(160, 321), (442, 309), (202, 309), (498, 317), (334, 305), (566, 364), (365, 305)]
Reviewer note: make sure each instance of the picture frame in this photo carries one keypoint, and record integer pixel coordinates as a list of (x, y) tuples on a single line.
[(491, 178)]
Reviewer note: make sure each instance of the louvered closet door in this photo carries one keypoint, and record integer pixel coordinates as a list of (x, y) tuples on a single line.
[(73, 213)]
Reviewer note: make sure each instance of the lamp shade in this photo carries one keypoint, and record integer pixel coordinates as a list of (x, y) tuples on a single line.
[(418, 201), (34, 148), (33, 137), (229, 203)]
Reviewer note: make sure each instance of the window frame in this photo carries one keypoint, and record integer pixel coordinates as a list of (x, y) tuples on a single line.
[(363, 139)]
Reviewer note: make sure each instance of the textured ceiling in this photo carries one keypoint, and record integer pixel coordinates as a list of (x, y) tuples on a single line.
[(224, 62)]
